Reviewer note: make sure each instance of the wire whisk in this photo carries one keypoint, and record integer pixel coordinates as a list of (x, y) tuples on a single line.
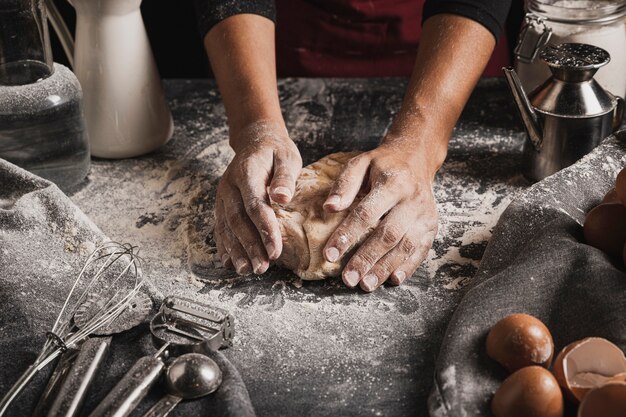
[(113, 272)]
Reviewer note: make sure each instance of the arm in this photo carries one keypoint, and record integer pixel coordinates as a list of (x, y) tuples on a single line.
[(452, 55), (246, 229), (241, 50)]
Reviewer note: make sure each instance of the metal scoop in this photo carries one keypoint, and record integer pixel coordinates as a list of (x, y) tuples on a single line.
[(189, 376), (181, 326)]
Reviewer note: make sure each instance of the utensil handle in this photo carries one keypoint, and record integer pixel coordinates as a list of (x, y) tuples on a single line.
[(74, 388), (43, 360), (131, 389), (165, 405), (54, 383)]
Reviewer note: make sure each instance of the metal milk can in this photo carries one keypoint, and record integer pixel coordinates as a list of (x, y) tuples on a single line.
[(569, 114)]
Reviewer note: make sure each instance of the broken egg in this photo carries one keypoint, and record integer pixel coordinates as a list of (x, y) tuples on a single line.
[(608, 400), (587, 364), (520, 340), (605, 228), (531, 391)]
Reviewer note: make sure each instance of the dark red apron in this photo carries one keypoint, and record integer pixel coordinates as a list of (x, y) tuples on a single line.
[(354, 38)]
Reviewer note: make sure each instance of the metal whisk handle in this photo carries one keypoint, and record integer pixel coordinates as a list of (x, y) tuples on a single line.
[(25, 378), (75, 387), (131, 389), (17, 388)]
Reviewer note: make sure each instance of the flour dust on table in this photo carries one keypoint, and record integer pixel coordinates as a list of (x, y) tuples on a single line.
[(326, 347)]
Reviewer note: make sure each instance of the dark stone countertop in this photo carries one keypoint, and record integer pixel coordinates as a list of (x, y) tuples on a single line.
[(315, 348)]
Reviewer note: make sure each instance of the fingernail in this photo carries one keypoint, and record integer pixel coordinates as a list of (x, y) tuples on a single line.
[(351, 278), (257, 265), (333, 200), (332, 254), (225, 259), (271, 251), (369, 282), (240, 265), (283, 191), (400, 277)]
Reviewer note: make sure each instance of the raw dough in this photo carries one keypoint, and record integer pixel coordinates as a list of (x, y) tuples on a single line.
[(305, 226)]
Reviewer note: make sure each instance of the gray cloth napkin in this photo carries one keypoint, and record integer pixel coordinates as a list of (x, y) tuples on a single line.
[(536, 263), (44, 241)]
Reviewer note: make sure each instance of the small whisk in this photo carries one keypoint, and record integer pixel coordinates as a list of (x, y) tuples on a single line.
[(113, 272)]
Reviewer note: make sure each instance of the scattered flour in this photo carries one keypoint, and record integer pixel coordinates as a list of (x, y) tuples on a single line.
[(319, 341)]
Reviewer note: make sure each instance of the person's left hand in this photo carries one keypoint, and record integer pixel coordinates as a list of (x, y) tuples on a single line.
[(399, 179)]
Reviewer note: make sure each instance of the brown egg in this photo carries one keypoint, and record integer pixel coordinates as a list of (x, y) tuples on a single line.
[(520, 340), (611, 197), (605, 228), (607, 401), (587, 364), (620, 185), (529, 392)]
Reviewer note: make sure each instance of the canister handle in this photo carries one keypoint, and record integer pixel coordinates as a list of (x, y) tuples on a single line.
[(533, 36)]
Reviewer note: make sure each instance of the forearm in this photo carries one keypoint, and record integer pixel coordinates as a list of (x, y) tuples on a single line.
[(242, 55), (452, 55)]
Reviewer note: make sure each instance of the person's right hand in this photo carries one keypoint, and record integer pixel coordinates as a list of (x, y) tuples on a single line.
[(246, 229)]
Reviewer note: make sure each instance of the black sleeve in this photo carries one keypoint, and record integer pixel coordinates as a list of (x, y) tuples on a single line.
[(211, 12), (489, 13)]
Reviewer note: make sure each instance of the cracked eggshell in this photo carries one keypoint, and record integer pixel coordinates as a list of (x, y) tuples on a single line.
[(520, 340), (587, 364), (530, 391), (608, 400), (605, 228)]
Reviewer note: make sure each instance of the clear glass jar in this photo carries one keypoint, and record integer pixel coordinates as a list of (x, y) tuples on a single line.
[(42, 127), (596, 22)]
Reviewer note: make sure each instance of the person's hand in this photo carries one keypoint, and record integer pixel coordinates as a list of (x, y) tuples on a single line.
[(399, 183), (246, 229)]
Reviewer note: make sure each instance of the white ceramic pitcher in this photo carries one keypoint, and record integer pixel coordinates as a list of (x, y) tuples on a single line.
[(125, 108)]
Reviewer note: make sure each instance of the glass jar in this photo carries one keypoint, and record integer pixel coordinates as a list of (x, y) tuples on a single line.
[(42, 128), (596, 22)]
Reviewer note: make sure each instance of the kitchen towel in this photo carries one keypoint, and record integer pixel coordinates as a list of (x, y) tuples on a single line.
[(44, 241), (536, 263)]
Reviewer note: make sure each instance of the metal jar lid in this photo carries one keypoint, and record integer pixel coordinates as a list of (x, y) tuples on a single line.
[(574, 62)]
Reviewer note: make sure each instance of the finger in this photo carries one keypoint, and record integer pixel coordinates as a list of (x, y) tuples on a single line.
[(236, 253), (413, 261), (252, 193), (347, 185), (222, 253), (382, 270), (361, 219), (287, 167), (386, 237), (262, 226), (218, 235), (244, 230)]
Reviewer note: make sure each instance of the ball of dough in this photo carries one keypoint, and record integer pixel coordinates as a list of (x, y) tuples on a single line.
[(305, 226)]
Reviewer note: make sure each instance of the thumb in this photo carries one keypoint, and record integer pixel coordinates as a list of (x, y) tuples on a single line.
[(347, 185), (287, 167)]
